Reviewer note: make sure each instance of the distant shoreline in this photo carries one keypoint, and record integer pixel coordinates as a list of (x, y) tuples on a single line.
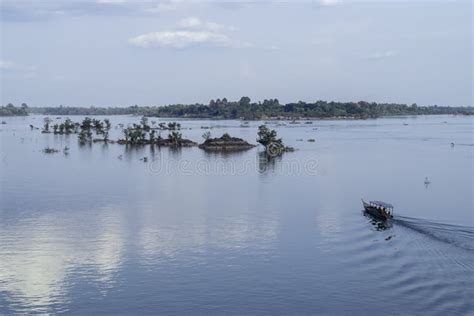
[(244, 109)]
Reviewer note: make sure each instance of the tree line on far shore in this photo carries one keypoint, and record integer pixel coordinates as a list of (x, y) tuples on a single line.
[(11, 110), (248, 110)]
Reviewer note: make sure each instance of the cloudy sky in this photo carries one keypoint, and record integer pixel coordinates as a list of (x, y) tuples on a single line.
[(148, 52)]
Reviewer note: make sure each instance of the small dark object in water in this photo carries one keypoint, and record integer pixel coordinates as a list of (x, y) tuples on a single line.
[(3, 122), (389, 237), (311, 140), (49, 150)]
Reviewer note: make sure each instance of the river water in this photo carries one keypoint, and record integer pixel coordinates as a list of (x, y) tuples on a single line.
[(100, 230)]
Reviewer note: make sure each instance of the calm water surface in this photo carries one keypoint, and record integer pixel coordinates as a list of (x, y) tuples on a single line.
[(102, 231)]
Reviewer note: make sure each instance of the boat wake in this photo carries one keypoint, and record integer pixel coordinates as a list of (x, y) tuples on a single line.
[(456, 235)]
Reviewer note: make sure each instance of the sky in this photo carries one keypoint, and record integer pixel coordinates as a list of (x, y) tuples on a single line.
[(148, 52)]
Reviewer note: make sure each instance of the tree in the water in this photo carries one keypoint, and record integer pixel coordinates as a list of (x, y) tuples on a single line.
[(46, 121), (152, 136), (268, 138), (206, 135), (175, 138), (106, 129)]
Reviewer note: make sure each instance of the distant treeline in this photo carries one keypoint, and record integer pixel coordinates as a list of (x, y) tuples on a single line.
[(245, 109), (11, 110)]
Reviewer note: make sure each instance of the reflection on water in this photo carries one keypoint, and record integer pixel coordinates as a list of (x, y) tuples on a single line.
[(378, 223), (102, 231), (35, 264), (267, 163)]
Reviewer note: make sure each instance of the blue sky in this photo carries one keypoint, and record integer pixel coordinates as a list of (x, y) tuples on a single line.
[(125, 52)]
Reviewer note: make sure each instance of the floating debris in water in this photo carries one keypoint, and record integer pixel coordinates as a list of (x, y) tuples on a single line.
[(311, 140), (49, 150), (427, 182)]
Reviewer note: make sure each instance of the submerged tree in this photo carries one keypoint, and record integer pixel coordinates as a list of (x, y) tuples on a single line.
[(46, 121), (206, 135), (268, 138), (144, 123), (174, 126), (106, 129), (175, 138), (85, 135)]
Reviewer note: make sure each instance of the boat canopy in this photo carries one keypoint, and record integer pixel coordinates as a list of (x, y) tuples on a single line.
[(382, 204)]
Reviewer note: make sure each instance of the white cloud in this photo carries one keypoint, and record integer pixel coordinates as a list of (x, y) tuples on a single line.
[(166, 6), (180, 39), (196, 23), (23, 71), (7, 65), (328, 3), (382, 55), (190, 31), (10, 65), (191, 22), (111, 1)]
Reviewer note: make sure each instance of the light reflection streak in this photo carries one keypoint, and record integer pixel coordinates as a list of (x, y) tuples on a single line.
[(38, 255)]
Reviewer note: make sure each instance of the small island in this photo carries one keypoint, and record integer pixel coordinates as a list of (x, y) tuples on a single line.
[(224, 143)]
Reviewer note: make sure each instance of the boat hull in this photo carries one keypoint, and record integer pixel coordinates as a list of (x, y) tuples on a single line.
[(376, 212)]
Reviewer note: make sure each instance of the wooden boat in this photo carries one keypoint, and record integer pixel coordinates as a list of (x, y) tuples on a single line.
[(378, 209)]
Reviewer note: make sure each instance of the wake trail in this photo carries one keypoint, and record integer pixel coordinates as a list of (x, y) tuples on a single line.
[(456, 235)]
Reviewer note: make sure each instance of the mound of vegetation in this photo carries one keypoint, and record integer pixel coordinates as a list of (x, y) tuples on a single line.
[(144, 134), (224, 143)]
